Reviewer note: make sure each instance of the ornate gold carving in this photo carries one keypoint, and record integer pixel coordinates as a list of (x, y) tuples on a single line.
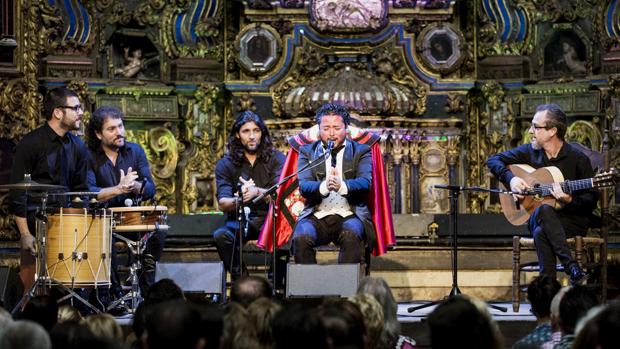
[(14, 122), (160, 146), (585, 133), (205, 130), (454, 103), (245, 102)]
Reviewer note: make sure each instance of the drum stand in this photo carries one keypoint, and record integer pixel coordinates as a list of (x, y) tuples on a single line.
[(134, 297), (42, 279)]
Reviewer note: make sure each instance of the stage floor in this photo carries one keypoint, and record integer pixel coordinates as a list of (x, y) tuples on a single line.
[(524, 313)]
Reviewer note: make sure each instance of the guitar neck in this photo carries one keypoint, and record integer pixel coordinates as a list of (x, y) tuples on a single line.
[(567, 186)]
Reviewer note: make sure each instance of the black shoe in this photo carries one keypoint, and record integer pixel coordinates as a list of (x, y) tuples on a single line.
[(577, 275)]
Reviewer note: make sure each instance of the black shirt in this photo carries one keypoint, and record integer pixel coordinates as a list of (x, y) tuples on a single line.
[(102, 173), (571, 162), (41, 153), (264, 173)]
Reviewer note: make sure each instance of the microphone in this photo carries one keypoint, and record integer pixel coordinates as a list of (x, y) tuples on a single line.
[(141, 192), (330, 146), (128, 202)]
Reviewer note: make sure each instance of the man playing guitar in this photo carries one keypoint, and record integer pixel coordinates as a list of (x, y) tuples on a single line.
[(550, 226)]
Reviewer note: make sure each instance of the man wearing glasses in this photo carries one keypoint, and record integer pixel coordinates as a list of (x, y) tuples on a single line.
[(550, 226), (51, 154)]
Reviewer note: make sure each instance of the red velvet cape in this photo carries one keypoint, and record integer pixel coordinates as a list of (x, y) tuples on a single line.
[(291, 203)]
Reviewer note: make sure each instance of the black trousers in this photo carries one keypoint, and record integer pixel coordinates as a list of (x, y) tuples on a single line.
[(346, 232), (228, 248), (550, 229)]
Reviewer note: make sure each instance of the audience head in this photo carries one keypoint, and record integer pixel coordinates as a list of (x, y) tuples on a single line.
[(262, 311), (460, 321), (247, 289), (105, 327), (344, 324), (574, 305), (555, 308), (68, 313), (162, 291), (378, 288), (43, 310), (25, 334), (238, 331), (601, 329), (173, 324), (5, 318), (373, 317), (212, 323), (70, 335), (298, 325), (540, 292)]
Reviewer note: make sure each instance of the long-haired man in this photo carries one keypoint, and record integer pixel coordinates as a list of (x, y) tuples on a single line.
[(253, 164)]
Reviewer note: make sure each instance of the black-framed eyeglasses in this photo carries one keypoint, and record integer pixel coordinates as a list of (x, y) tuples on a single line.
[(72, 107), (536, 127)]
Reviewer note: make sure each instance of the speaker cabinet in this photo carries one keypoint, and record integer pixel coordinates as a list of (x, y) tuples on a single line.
[(311, 280), (204, 277)]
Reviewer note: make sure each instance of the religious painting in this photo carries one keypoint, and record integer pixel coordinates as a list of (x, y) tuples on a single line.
[(348, 16), (565, 55), (440, 47)]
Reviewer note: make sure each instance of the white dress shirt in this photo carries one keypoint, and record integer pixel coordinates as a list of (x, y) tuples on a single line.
[(334, 202)]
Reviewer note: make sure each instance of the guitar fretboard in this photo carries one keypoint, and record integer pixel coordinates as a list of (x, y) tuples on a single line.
[(567, 186)]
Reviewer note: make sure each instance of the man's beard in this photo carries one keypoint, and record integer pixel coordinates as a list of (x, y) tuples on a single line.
[(250, 150), (536, 145), (112, 145)]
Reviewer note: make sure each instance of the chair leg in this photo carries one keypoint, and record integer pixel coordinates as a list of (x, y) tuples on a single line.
[(516, 273), (579, 250)]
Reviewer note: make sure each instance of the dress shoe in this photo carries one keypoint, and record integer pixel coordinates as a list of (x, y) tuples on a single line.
[(576, 274)]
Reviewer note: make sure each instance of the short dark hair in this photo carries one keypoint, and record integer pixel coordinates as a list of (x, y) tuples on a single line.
[(333, 109), (56, 98), (555, 118), (465, 323), (574, 305), (540, 292), (95, 124)]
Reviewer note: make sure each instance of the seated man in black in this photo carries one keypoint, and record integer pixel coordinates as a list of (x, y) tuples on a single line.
[(119, 171), (335, 192), (550, 226), (251, 164)]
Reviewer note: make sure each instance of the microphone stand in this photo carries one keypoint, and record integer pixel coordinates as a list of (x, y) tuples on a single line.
[(455, 191), (242, 222), (272, 192)]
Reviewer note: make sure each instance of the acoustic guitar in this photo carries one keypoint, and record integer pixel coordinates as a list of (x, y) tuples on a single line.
[(541, 180)]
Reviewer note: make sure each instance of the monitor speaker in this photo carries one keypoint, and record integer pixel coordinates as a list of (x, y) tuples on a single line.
[(205, 277), (312, 280)]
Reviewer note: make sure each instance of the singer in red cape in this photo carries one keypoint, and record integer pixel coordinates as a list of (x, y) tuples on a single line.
[(119, 171), (368, 199)]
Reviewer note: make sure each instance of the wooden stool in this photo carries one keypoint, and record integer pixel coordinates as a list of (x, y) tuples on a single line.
[(579, 243)]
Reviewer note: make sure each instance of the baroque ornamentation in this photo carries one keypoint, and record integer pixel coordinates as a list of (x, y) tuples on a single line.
[(204, 129), (193, 38), (160, 146)]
